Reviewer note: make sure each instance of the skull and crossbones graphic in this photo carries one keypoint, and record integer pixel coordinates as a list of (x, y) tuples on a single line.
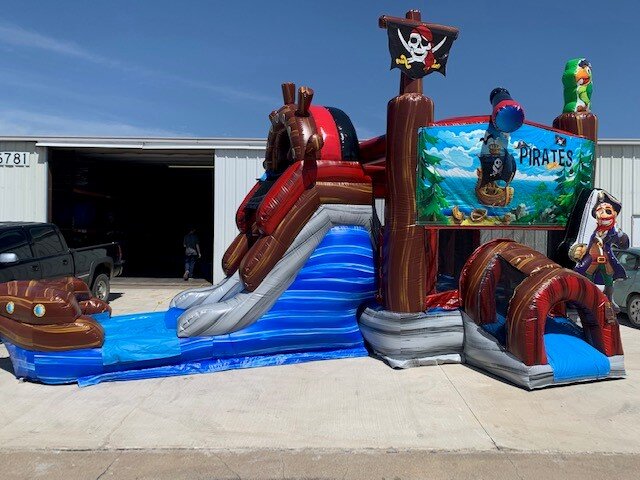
[(497, 167), (420, 48)]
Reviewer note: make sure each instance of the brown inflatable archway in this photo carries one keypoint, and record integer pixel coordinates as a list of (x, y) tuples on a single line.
[(534, 299), (546, 289), (479, 276)]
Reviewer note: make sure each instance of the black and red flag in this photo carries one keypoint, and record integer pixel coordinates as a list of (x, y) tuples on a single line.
[(419, 50)]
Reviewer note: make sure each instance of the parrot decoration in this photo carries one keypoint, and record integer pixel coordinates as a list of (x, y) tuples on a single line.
[(577, 83)]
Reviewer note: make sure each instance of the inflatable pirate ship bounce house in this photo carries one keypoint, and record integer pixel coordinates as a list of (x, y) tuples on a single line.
[(312, 273)]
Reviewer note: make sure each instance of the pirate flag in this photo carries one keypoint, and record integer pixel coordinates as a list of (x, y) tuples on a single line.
[(419, 50)]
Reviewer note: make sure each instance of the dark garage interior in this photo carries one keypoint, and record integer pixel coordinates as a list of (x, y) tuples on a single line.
[(147, 201)]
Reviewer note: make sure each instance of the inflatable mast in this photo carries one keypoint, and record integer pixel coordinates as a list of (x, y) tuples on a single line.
[(405, 244)]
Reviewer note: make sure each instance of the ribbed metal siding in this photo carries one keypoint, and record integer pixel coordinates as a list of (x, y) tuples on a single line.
[(536, 239), (618, 172), (236, 172), (23, 190)]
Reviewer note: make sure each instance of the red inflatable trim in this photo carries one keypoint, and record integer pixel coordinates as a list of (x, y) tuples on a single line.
[(378, 176), (332, 171), (449, 300), (288, 188), (280, 198), (241, 220), (487, 118), (506, 103), (373, 149), (463, 120), (326, 127)]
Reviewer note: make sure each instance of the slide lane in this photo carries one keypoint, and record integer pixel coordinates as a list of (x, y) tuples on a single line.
[(314, 318)]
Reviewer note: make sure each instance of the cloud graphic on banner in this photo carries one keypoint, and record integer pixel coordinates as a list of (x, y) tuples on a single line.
[(462, 148), (454, 156), (540, 178), (459, 172), (467, 140)]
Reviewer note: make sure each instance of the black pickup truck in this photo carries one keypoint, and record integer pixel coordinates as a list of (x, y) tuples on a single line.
[(32, 251)]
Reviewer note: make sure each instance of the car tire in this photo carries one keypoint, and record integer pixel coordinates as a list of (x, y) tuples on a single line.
[(101, 287), (633, 310)]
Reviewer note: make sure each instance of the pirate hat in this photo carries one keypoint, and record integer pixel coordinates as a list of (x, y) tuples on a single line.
[(606, 197), (584, 63), (424, 32)]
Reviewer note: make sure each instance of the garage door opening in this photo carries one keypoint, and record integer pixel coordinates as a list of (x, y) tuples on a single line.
[(146, 201)]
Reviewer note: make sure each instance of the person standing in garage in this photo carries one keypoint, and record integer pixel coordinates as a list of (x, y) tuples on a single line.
[(191, 246)]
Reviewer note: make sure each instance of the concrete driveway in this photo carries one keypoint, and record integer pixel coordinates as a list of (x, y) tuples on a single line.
[(316, 412)]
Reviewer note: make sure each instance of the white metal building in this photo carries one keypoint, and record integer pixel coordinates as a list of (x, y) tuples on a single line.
[(196, 178), (33, 181), (618, 172)]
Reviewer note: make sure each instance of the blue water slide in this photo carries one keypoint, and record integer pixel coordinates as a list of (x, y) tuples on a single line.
[(314, 318)]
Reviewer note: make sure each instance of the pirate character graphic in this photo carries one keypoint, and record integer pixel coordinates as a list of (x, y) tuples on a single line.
[(596, 260)]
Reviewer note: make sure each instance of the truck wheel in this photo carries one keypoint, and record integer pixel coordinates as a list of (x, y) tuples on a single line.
[(101, 287), (633, 310)]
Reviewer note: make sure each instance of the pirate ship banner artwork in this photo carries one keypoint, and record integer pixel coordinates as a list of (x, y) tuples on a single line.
[(419, 50), (473, 175)]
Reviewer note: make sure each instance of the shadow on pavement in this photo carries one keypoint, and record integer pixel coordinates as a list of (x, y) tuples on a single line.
[(115, 296), (624, 321), (5, 364)]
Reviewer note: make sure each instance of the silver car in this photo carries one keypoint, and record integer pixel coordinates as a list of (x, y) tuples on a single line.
[(626, 293)]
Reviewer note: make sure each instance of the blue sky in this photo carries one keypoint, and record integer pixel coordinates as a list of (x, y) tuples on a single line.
[(213, 68)]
